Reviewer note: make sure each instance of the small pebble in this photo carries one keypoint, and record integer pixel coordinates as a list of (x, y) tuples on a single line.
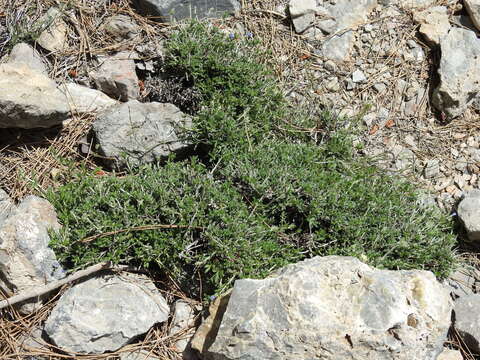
[(358, 77)]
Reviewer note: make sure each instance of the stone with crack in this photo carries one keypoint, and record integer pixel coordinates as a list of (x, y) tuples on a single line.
[(137, 133), (332, 307), (459, 72)]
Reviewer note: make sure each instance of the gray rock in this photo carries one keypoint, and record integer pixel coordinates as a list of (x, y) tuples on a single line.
[(341, 16), (432, 169), (29, 99), (167, 10), (82, 99), (139, 133), (105, 313), (26, 261), (408, 4), (449, 354), (358, 77), (22, 53), (465, 21), (117, 78), (121, 27), (302, 13), (332, 85), (349, 14), (473, 8), (338, 47), (54, 37), (467, 320), (469, 214), (434, 24), (33, 341), (459, 74), (380, 87), (6, 206), (462, 283), (330, 66), (184, 321), (334, 307)]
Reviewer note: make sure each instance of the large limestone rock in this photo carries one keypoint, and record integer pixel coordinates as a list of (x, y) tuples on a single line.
[(473, 8), (469, 214), (26, 261), (167, 10), (467, 321), (117, 78), (459, 74), (334, 308), (434, 24), (29, 99), (139, 133), (22, 53), (82, 99), (105, 313)]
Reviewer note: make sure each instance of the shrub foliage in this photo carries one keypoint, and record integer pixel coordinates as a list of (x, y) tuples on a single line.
[(258, 201)]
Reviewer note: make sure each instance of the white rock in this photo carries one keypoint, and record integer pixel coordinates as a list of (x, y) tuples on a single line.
[(432, 169), (434, 24), (409, 4), (338, 47), (473, 8), (121, 27), (26, 261), (117, 78), (341, 17), (449, 354), (6, 206), (105, 313), (54, 37), (350, 14), (462, 281), (358, 77), (467, 320), (469, 214), (82, 99), (184, 321), (140, 133), (302, 13), (29, 99), (22, 53), (166, 10), (333, 308), (459, 72)]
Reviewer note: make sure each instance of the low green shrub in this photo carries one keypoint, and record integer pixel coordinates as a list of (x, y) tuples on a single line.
[(262, 197), (331, 204), (241, 102), (262, 209), (214, 233)]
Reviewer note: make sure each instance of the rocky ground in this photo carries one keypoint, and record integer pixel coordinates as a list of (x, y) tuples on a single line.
[(401, 75)]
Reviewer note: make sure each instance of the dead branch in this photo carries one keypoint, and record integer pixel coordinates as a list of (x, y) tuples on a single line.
[(56, 284)]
